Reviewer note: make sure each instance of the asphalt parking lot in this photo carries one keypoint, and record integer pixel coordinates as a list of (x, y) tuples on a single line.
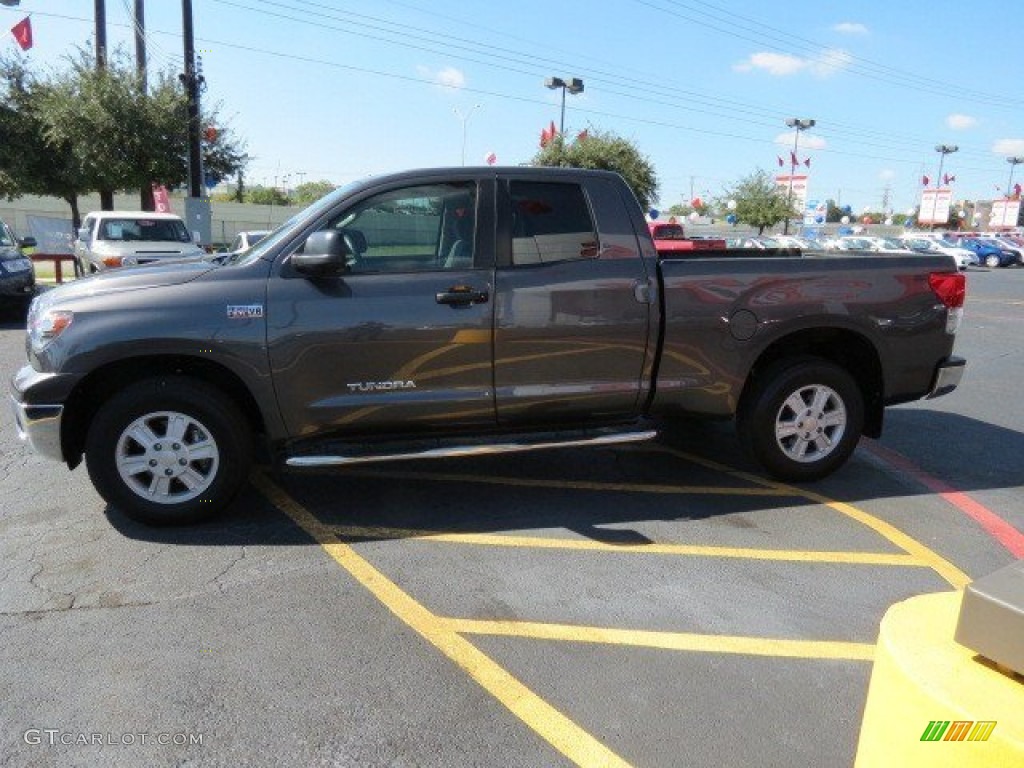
[(658, 605)]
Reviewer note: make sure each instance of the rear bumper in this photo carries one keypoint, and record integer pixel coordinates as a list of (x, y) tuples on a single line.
[(947, 376)]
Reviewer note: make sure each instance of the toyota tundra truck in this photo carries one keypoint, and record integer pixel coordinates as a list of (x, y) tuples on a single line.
[(449, 312)]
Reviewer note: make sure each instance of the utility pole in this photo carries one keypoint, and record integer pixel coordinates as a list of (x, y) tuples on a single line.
[(101, 34), (197, 208), (885, 199), (140, 43)]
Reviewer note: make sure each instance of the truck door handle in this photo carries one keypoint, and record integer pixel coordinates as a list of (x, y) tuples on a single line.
[(461, 296)]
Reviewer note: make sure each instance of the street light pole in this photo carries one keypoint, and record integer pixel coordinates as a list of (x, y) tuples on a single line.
[(573, 85), (799, 125), (1014, 162), (943, 150), (464, 119)]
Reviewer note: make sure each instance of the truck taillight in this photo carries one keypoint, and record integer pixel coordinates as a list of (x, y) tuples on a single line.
[(951, 289)]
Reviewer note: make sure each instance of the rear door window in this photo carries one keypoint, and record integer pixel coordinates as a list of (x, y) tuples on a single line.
[(551, 221)]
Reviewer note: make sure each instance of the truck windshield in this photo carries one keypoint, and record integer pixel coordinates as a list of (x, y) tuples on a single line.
[(148, 230)]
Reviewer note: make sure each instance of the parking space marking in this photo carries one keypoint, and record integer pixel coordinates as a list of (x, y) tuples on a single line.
[(578, 485), (671, 641), (993, 524), (956, 578), (550, 724), (350, 532)]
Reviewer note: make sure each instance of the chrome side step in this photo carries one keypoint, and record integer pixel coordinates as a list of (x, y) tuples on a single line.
[(616, 438)]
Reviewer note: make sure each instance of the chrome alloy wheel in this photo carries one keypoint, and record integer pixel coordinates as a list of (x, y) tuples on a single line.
[(810, 423), (167, 457)]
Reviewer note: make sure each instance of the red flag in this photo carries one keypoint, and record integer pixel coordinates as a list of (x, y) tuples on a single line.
[(925, 181), (161, 201), (781, 163), (582, 135), (551, 129), (1016, 189), (792, 157), (545, 137), (807, 162), (22, 32)]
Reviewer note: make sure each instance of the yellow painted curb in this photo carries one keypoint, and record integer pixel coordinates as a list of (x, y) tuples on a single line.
[(920, 677)]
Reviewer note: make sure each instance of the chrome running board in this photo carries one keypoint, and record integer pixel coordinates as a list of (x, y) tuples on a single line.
[(615, 438)]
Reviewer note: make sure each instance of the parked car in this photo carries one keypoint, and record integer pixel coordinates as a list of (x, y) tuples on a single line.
[(990, 255), (964, 257), (111, 239), (245, 240), (17, 278)]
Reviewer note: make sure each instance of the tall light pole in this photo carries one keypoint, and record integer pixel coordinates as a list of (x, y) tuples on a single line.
[(1014, 162), (573, 85), (798, 124), (465, 119), (943, 150)]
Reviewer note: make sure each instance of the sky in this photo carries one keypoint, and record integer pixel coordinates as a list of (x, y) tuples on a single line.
[(338, 90)]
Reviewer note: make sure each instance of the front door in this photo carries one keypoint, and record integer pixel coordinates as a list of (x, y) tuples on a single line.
[(402, 341)]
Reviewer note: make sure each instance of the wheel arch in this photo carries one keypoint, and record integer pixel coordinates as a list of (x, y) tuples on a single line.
[(848, 349), (96, 388)]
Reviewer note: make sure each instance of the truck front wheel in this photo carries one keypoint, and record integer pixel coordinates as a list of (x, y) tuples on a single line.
[(168, 450), (802, 419)]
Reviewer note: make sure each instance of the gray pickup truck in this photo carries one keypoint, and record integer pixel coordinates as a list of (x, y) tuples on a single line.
[(449, 312)]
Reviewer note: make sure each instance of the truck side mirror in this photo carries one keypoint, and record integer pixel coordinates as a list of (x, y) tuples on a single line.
[(83, 234), (324, 254)]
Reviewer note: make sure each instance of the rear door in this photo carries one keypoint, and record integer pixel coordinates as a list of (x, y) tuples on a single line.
[(402, 341), (572, 319)]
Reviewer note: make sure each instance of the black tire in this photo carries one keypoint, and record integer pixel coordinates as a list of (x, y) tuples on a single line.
[(169, 451), (774, 430)]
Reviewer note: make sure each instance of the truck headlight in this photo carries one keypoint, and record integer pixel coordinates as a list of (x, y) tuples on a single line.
[(46, 325)]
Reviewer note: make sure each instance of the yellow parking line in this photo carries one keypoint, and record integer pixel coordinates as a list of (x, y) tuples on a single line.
[(670, 641), (553, 726), (575, 485), (957, 578), (590, 545)]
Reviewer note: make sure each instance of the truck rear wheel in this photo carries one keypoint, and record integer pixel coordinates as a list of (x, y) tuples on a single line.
[(168, 451), (802, 419)]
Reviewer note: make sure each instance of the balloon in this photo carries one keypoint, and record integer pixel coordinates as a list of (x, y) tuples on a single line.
[(819, 219), (847, 209), (845, 219), (866, 219), (731, 205), (888, 222), (490, 158), (962, 214), (694, 216), (654, 213), (697, 202), (732, 218)]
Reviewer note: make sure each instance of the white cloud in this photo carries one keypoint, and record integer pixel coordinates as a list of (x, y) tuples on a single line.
[(772, 63), (449, 77), (807, 141), (887, 174), (850, 28), (825, 64), (1009, 147), (961, 122)]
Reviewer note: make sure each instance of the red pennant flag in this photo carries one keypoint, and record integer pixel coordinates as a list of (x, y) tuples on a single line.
[(807, 162), (792, 157), (925, 181), (22, 32), (551, 129), (1016, 189), (582, 135), (781, 163)]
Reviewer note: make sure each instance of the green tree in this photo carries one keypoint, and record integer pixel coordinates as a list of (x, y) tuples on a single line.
[(311, 191), (114, 135), (30, 163), (605, 151), (266, 196), (759, 201)]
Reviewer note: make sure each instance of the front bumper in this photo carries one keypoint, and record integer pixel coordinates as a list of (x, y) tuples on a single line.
[(947, 376), (39, 426)]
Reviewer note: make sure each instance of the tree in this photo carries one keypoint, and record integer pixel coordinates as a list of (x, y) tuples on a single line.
[(114, 135), (759, 201), (266, 196), (604, 151), (311, 191), (29, 162)]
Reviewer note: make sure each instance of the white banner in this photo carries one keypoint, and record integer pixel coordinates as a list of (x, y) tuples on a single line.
[(798, 185), (935, 206), (1005, 213)]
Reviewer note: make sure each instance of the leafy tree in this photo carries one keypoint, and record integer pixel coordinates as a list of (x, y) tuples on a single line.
[(311, 191), (759, 201), (114, 135), (604, 151), (29, 162), (266, 196)]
